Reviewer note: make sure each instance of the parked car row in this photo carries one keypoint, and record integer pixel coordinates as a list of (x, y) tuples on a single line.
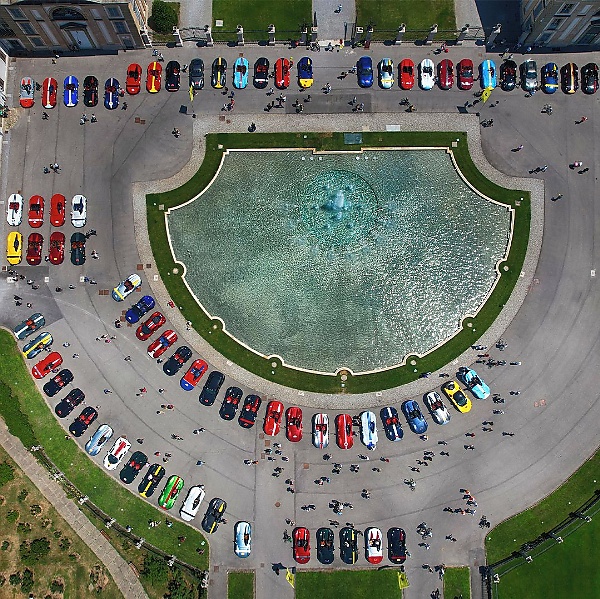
[(35, 214), (35, 245)]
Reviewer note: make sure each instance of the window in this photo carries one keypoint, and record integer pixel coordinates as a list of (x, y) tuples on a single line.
[(67, 14), (5, 29), (537, 10), (38, 42), (16, 13), (554, 24), (114, 12), (543, 39), (37, 15), (121, 27), (27, 28), (96, 14), (15, 45), (566, 8)]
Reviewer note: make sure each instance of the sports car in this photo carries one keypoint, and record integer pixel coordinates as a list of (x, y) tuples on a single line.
[(26, 92), (249, 411), (301, 544), (175, 363), (293, 418), (193, 375), (464, 72), (368, 429), (153, 77), (348, 545), (455, 394), (550, 77), (78, 249), (35, 216), (170, 492), (589, 78), (31, 325), (35, 346), (74, 398), (83, 421), (240, 73), (488, 74), (385, 68), (35, 243), (90, 91), (126, 287), (373, 545), (44, 367), (49, 88), (391, 423), (111, 93), (261, 73), (196, 72), (242, 539), (282, 73), (414, 417), (364, 71), (133, 467), (320, 428), (78, 211), (191, 505), (159, 346), (529, 75), (325, 549), (213, 515), (14, 210), (508, 75), (473, 383), (273, 418), (14, 248), (446, 74), (133, 82), (426, 74), (569, 77), (99, 439), (396, 538), (151, 480), (140, 308), (305, 72), (57, 382), (172, 76), (71, 91), (343, 436), (407, 74), (437, 409), (218, 75), (118, 451), (229, 407), (152, 324), (57, 210), (211, 388)]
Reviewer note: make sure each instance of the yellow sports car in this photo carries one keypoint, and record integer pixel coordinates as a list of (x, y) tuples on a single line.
[(456, 395), (14, 247), (33, 348)]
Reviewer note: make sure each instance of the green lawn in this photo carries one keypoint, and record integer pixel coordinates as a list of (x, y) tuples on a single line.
[(212, 331), (240, 585), (457, 583), (347, 584)]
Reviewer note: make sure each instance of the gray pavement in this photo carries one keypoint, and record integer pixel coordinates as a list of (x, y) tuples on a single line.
[(196, 13), (334, 24), (553, 333)]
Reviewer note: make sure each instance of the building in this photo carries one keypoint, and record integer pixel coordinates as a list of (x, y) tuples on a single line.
[(557, 24), (48, 27)]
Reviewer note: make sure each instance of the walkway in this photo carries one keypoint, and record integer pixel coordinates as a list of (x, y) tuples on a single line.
[(332, 24), (120, 571), (196, 13)]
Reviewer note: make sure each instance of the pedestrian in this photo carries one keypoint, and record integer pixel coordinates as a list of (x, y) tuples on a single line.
[(544, 168), (471, 447), (505, 434), (93, 119), (583, 119), (469, 434), (161, 391), (442, 442), (518, 148), (339, 9), (424, 438), (124, 106), (127, 358), (107, 391), (140, 440), (75, 356), (585, 170)]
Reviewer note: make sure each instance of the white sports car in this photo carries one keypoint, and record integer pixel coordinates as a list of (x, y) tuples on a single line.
[(373, 545), (368, 430), (118, 451), (14, 211), (243, 539), (427, 74), (192, 502), (78, 211), (320, 431), (436, 407)]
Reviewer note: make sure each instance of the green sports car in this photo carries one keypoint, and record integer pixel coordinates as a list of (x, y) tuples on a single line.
[(170, 492)]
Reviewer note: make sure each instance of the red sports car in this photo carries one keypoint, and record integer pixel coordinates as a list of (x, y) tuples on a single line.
[(294, 424), (34, 249), (47, 365), (344, 436), (446, 74), (464, 71), (36, 211), (134, 79), (407, 74), (195, 372), (153, 77), (273, 418), (301, 540), (57, 247), (49, 92), (152, 324), (282, 73), (57, 210), (159, 346)]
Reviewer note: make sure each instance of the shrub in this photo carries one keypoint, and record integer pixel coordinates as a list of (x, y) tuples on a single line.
[(22, 496), (163, 18), (35, 551), (35, 509), (155, 569), (5, 545), (57, 586), (15, 579), (46, 522), (2, 580), (65, 543), (27, 581), (23, 527), (12, 516), (7, 473), (17, 422)]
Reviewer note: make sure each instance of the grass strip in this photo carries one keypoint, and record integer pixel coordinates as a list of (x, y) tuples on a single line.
[(240, 585), (457, 583), (348, 584)]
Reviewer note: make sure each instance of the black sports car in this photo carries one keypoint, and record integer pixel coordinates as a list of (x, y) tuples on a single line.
[(348, 545), (508, 75), (247, 416), (56, 383), (396, 538), (197, 73), (151, 480), (78, 249), (230, 403), (589, 78), (177, 360), (219, 73), (214, 515), (172, 76), (261, 73), (325, 548), (90, 91), (136, 462), (83, 421), (211, 388), (69, 403)]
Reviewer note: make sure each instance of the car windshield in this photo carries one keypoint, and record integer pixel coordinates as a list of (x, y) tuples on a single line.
[(428, 70), (467, 71), (408, 69)]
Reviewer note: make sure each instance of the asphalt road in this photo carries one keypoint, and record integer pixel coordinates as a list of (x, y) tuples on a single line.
[(554, 335)]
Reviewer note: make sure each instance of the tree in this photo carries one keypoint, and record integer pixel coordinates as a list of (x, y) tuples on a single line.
[(163, 18), (179, 588), (7, 473), (35, 551), (27, 581), (155, 569)]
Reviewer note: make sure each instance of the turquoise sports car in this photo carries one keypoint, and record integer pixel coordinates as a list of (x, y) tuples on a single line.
[(475, 384), (240, 73)]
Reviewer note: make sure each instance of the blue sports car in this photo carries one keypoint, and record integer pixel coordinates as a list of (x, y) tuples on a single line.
[(489, 76), (71, 91), (364, 71), (414, 417), (391, 423), (472, 381), (305, 72), (240, 73), (550, 77), (111, 93), (140, 308)]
